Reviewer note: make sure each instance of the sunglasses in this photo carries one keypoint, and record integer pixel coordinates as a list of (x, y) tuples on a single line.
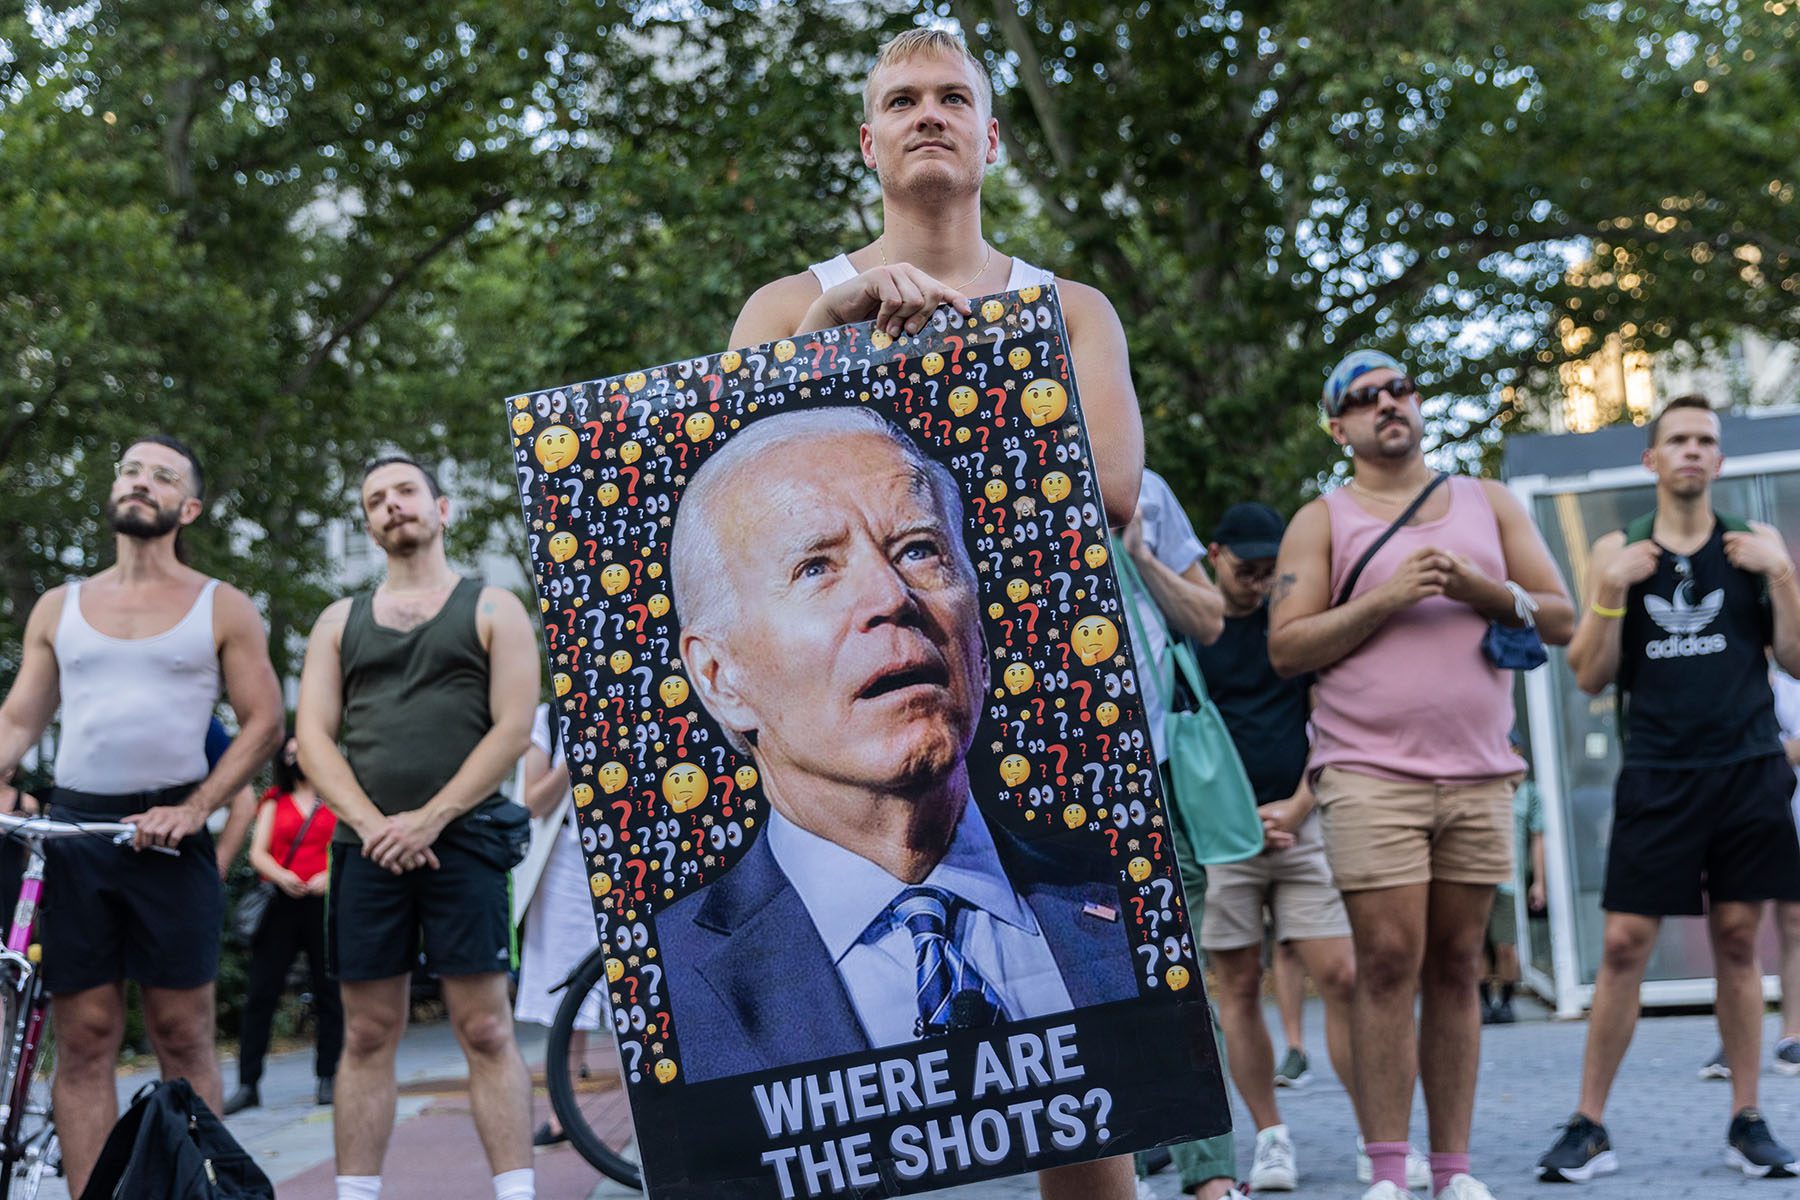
[(1359, 398)]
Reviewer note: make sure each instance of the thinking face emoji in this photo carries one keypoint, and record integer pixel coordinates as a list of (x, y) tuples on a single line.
[(630, 452), (1138, 868), (995, 491), (1094, 639), (1019, 357), (674, 691), (609, 494), (612, 777), (584, 795), (996, 610), (934, 362), (665, 1070), (563, 546), (1107, 713), (784, 350), (1095, 555), (615, 970), (1056, 487), (698, 427), (620, 661), (1177, 976), (730, 361), (993, 310), (1014, 770), (562, 683), (745, 777), (635, 381), (1074, 816), (963, 400), (658, 605), (556, 447), (521, 423), (1030, 294), (684, 786), (1017, 590), (614, 578), (1017, 677), (879, 339), (1044, 400), (600, 883)]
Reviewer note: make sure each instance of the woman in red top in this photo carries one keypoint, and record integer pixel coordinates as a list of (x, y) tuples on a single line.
[(288, 848)]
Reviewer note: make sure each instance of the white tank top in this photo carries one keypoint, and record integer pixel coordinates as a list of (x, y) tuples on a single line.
[(135, 710), (838, 270)]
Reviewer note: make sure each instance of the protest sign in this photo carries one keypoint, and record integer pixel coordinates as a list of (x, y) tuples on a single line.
[(872, 818)]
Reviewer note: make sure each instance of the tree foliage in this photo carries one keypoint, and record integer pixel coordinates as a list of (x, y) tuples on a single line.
[(297, 234)]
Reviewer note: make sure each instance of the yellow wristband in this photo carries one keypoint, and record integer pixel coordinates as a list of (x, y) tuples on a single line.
[(1609, 613)]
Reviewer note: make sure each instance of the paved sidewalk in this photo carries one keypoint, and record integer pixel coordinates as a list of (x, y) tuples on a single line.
[(1667, 1125)]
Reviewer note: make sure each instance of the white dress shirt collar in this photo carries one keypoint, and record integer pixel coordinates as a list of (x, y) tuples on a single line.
[(845, 892)]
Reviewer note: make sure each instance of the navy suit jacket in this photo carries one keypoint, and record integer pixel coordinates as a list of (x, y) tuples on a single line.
[(752, 987)]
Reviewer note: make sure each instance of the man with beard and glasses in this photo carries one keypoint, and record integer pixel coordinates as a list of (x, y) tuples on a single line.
[(428, 682), (929, 134), (135, 657), (1409, 762), (1684, 607)]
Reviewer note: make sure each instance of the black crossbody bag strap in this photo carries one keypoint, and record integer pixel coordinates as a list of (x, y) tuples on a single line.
[(1390, 531)]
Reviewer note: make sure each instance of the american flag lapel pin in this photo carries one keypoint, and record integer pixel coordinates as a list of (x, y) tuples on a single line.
[(1106, 912)]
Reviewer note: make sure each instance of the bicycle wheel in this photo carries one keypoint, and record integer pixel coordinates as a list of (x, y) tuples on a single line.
[(587, 1087)]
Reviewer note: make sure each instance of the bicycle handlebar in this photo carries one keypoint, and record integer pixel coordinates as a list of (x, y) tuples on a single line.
[(49, 829)]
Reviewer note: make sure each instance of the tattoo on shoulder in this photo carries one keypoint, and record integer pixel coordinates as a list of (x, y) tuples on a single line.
[(487, 607), (1284, 584)]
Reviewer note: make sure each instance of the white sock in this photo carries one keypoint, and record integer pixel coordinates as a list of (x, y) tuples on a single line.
[(516, 1185), (358, 1187)]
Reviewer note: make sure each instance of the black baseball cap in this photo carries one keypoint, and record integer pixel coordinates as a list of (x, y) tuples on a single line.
[(1250, 530)]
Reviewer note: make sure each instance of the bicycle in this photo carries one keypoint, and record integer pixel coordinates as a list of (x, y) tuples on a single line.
[(28, 1142), (586, 1081)]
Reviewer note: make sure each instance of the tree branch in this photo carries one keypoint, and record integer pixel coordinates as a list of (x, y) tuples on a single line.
[(379, 298)]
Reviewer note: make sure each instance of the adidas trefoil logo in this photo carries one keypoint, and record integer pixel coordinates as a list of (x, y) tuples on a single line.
[(1683, 619)]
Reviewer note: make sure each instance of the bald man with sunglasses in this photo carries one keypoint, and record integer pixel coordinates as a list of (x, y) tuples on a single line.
[(1410, 761)]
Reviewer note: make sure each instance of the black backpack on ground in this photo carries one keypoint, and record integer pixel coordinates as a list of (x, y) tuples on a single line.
[(170, 1146)]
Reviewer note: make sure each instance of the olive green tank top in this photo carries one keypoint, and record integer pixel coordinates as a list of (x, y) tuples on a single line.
[(415, 703)]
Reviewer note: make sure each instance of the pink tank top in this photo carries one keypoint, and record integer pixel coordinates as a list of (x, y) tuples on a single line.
[(1418, 700)]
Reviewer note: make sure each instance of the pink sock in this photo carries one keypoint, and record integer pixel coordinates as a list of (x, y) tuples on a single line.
[(1443, 1166), (1389, 1161)]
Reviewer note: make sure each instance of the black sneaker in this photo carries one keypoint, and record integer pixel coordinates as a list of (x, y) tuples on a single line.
[(1582, 1152), (1787, 1056), (1752, 1149), (244, 1097)]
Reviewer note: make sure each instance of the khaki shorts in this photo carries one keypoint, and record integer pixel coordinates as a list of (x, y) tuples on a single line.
[(1294, 884), (1382, 833)]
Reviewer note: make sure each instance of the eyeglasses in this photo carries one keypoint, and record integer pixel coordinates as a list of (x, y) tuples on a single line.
[(1356, 399), (131, 468)]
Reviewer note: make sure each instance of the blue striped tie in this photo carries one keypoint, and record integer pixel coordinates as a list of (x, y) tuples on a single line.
[(952, 993)]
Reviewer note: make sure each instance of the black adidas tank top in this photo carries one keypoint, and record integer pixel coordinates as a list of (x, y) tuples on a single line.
[(1692, 663)]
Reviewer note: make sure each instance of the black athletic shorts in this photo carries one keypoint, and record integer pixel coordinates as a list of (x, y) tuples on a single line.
[(112, 913), (1725, 831), (376, 921)]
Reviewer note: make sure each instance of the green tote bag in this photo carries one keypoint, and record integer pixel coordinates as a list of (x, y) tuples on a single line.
[(1213, 795)]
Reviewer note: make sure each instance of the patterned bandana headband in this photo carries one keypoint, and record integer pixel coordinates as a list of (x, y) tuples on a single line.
[(1350, 368)]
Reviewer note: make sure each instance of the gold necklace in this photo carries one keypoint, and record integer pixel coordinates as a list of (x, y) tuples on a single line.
[(1371, 494), (881, 245)]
